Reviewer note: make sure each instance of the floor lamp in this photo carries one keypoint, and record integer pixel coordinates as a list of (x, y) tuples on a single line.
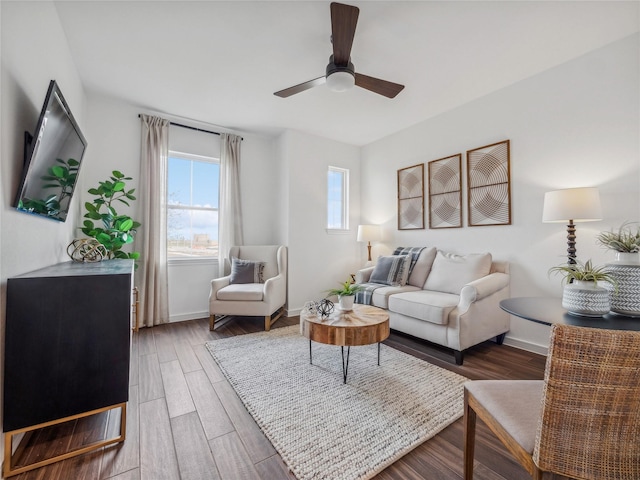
[(570, 206), (369, 233)]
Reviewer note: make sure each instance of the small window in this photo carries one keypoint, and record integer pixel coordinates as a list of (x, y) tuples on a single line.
[(192, 206), (338, 199)]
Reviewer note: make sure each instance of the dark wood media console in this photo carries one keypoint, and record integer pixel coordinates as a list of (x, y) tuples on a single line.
[(67, 348)]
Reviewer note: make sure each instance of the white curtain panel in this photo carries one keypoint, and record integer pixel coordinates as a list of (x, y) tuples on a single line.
[(151, 242), (230, 212)]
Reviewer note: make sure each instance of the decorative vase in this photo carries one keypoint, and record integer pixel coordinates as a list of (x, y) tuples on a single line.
[(346, 302), (586, 299), (625, 300)]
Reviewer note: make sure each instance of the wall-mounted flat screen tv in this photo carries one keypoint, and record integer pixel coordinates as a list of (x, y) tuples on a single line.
[(52, 159)]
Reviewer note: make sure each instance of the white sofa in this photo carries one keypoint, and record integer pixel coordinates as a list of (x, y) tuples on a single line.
[(448, 299)]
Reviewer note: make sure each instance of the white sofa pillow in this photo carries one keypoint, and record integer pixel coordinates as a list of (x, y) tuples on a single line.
[(450, 272), (422, 267)]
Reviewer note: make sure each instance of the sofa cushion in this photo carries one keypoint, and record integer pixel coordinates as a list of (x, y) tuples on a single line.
[(450, 272), (246, 271), (422, 267), (429, 306), (242, 292), (380, 296), (391, 270)]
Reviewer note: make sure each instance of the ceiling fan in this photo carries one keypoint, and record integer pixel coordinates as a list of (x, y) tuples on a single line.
[(340, 73)]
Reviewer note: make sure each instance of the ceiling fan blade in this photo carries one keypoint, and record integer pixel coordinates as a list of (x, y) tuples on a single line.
[(382, 87), (287, 92), (344, 19)]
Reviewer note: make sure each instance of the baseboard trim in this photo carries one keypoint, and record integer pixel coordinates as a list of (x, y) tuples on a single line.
[(524, 345), (188, 316)]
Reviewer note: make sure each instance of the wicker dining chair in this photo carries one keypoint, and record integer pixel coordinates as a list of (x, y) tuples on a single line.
[(582, 421)]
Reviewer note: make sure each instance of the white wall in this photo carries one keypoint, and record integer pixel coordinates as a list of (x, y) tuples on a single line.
[(34, 51), (574, 125), (114, 128), (318, 260)]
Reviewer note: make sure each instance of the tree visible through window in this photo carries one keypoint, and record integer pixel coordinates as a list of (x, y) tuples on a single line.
[(192, 206), (338, 199)]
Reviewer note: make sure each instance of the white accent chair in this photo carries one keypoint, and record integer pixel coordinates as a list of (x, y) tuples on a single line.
[(266, 299)]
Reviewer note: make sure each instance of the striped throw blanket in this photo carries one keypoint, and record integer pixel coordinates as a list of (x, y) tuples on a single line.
[(413, 251), (365, 295)]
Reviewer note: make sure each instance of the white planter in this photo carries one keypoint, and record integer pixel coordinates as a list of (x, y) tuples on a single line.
[(586, 299), (626, 271), (628, 258), (346, 302)]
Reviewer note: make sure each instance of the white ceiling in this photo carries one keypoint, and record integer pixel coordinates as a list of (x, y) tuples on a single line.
[(220, 62)]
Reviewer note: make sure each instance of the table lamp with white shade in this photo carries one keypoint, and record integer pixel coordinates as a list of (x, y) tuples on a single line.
[(369, 233), (570, 206)]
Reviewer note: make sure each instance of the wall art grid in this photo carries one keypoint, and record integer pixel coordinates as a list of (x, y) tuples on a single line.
[(445, 192), (488, 185), (411, 198)]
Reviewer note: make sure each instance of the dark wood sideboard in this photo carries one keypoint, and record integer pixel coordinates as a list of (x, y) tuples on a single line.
[(67, 348)]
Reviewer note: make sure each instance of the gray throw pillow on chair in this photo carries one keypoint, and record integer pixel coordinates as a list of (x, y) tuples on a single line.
[(246, 271)]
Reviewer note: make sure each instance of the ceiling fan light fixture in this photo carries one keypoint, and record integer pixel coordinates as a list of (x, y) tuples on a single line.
[(340, 81)]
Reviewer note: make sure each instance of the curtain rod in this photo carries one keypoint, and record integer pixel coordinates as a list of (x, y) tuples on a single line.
[(194, 128)]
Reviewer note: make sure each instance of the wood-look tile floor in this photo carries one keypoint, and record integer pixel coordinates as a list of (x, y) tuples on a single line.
[(184, 420)]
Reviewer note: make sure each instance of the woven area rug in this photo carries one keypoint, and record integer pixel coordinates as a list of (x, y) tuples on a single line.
[(324, 429)]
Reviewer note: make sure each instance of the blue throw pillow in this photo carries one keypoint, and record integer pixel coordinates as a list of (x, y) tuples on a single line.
[(390, 270), (246, 271)]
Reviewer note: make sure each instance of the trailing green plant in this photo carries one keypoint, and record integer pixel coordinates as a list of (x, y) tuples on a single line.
[(116, 230), (585, 272), (346, 289), (624, 240)]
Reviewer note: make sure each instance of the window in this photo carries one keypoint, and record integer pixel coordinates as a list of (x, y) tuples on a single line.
[(192, 206), (338, 199)]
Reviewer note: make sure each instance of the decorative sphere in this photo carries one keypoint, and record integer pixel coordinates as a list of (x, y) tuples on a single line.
[(309, 308), (86, 250), (325, 307)]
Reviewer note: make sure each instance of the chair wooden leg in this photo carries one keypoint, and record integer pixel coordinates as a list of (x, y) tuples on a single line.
[(469, 437), (271, 319), (212, 322)]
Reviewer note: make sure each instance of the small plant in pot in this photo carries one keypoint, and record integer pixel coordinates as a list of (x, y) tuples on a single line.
[(582, 295), (625, 242), (114, 230), (346, 294)]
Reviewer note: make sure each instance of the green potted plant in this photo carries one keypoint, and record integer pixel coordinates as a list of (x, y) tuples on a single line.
[(114, 230), (346, 294), (582, 295), (625, 242)]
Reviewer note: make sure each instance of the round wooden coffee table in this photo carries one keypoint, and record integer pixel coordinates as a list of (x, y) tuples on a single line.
[(364, 325)]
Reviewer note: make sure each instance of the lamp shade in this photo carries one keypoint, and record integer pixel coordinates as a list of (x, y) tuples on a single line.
[(369, 233), (577, 204)]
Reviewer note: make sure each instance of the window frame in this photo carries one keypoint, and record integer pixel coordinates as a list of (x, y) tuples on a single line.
[(192, 260), (344, 228)]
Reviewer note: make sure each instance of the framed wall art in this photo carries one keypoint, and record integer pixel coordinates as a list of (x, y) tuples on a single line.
[(488, 185), (411, 198), (445, 192)]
